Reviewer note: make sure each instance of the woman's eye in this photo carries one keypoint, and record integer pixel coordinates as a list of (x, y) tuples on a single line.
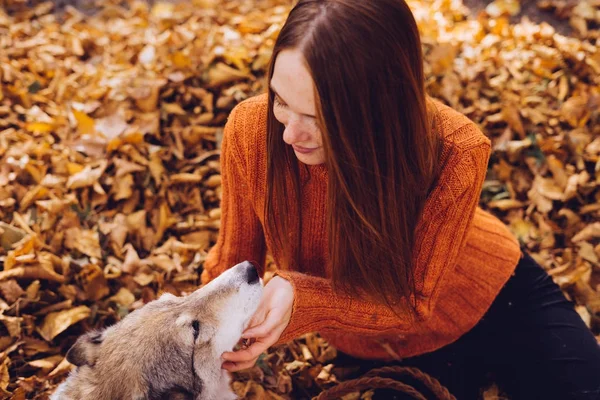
[(278, 103), (196, 327)]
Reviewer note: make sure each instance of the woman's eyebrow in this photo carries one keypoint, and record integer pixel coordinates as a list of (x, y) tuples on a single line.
[(282, 99)]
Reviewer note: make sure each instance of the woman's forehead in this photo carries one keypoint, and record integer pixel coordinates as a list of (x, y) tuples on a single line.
[(292, 82)]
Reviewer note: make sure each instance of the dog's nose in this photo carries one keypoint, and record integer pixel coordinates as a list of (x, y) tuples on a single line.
[(251, 273)]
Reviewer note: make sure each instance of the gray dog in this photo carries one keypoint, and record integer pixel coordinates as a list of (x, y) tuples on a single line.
[(170, 349)]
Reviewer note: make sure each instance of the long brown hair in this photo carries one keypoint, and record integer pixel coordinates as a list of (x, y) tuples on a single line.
[(381, 152)]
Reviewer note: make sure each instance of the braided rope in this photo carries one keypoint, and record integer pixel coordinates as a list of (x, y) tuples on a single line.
[(368, 383), (373, 380)]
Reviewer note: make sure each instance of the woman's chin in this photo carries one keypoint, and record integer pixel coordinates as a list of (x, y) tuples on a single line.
[(314, 158)]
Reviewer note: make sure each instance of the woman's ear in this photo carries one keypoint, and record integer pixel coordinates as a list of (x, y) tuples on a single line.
[(85, 349)]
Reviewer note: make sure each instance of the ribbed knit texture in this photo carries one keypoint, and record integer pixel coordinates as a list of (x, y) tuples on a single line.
[(463, 254)]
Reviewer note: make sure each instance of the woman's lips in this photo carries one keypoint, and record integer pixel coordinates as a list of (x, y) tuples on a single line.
[(304, 150)]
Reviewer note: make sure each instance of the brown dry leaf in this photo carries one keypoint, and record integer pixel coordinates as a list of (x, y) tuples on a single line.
[(87, 177), (222, 73), (93, 282), (10, 235), (499, 7), (587, 252), (57, 322), (46, 364), (63, 367), (123, 187), (112, 133), (590, 232), (123, 297), (11, 290), (505, 204), (442, 57), (12, 324), (35, 272), (510, 112), (4, 374), (575, 112), (85, 241)]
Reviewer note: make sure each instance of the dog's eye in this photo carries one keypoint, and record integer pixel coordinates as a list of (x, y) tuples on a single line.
[(196, 327)]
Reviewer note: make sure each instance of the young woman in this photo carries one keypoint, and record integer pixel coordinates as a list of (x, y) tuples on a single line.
[(366, 192)]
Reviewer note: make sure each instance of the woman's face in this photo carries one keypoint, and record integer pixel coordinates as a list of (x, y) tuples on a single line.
[(294, 107)]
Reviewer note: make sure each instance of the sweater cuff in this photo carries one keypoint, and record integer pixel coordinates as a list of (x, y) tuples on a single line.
[(308, 311)]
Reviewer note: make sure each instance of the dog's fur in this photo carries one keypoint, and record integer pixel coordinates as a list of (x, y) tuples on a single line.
[(170, 348)]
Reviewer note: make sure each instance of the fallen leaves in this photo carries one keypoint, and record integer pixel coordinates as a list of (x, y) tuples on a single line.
[(56, 322), (110, 127)]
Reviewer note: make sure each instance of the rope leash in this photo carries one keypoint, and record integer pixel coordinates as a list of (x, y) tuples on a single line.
[(374, 380)]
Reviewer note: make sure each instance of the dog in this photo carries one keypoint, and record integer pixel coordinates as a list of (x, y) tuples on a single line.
[(169, 349)]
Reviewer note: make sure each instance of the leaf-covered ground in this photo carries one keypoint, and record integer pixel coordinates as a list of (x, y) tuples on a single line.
[(110, 123)]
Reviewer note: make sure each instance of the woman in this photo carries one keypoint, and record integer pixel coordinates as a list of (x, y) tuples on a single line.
[(366, 192)]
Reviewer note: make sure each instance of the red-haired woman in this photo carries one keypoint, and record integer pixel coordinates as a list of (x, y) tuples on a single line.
[(366, 193)]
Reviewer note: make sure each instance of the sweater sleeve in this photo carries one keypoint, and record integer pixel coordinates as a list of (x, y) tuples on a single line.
[(241, 235), (440, 236)]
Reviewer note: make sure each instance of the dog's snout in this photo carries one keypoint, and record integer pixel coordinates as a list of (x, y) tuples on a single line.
[(251, 273)]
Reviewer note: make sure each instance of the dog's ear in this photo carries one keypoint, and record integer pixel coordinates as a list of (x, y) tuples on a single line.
[(85, 349)]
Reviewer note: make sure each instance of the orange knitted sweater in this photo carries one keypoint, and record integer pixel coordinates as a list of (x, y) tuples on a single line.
[(463, 255)]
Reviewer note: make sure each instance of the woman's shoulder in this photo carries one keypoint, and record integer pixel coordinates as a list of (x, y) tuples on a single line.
[(247, 124), (454, 127), (250, 113), (245, 138)]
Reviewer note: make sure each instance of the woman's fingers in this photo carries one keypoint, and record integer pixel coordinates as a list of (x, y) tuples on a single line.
[(238, 366), (242, 359), (248, 354), (258, 317), (264, 329)]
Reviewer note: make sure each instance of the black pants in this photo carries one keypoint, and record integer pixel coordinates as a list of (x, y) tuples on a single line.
[(531, 341)]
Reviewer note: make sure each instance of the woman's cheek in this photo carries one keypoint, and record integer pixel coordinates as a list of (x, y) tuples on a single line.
[(281, 116), (316, 135)]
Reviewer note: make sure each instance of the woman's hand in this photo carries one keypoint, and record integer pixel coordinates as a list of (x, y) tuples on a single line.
[(266, 326)]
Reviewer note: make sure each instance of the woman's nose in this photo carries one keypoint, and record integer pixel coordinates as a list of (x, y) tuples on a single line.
[(294, 132)]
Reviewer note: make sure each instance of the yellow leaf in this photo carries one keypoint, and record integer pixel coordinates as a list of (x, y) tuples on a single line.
[(180, 60), (39, 127), (74, 168), (85, 124), (35, 171), (134, 138), (114, 144)]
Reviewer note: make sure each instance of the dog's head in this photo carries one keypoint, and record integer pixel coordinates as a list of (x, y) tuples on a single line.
[(170, 348)]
